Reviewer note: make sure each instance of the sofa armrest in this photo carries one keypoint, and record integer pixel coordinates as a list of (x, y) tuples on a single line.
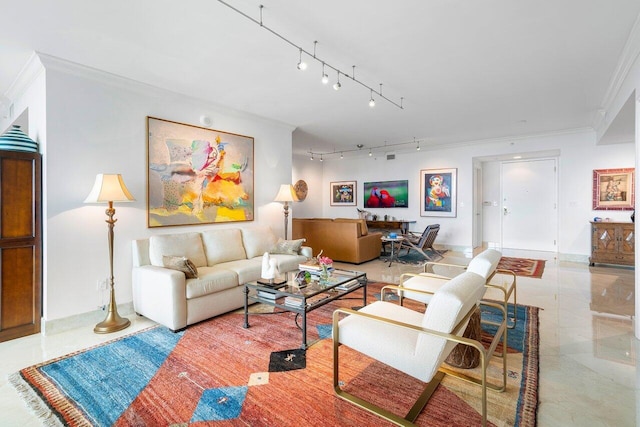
[(160, 294), (306, 251)]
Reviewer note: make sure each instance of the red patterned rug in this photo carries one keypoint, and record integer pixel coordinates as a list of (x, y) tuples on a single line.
[(219, 373), (523, 266)]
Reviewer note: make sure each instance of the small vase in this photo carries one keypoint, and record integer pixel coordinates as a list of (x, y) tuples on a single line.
[(324, 274)]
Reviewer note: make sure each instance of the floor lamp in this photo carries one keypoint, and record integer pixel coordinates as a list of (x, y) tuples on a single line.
[(286, 194), (110, 188)]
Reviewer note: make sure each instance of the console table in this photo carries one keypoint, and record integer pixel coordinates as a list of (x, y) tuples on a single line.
[(612, 243), (401, 225)]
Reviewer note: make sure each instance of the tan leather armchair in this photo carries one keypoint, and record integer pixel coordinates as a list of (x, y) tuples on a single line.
[(341, 239)]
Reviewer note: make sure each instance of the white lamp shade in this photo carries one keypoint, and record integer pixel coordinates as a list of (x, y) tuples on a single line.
[(286, 194), (109, 188)]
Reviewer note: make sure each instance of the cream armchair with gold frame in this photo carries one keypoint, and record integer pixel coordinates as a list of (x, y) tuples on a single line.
[(500, 283), (418, 343)]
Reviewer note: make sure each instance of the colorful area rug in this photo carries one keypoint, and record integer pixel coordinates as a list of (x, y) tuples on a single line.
[(218, 373), (523, 266), (414, 257)]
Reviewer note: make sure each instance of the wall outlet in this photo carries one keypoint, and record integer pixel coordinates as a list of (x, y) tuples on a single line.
[(101, 284)]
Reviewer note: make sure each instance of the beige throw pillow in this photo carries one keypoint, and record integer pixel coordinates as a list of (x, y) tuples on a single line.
[(287, 247), (181, 263)]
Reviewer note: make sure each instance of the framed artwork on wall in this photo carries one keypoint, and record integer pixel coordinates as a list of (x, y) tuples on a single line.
[(343, 193), (613, 189), (438, 192), (197, 175), (386, 194)]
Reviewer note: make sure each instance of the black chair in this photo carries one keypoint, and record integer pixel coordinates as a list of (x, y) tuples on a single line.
[(421, 242)]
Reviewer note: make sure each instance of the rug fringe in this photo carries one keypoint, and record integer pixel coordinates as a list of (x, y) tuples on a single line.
[(37, 406)]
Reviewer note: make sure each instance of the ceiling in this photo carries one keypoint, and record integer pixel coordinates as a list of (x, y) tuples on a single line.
[(466, 70)]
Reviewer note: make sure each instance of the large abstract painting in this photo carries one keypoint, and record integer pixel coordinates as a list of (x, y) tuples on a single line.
[(197, 175)]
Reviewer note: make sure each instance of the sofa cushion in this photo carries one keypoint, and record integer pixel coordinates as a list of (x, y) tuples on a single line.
[(223, 245), (247, 270), (257, 240), (363, 230), (287, 247), (446, 309), (181, 263), (184, 244), (485, 263), (211, 280), (288, 262)]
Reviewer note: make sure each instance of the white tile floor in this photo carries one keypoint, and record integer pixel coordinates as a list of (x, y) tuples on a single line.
[(587, 348)]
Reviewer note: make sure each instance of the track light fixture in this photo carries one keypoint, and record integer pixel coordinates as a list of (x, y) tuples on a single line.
[(372, 102), (325, 77), (337, 84), (385, 147), (303, 65)]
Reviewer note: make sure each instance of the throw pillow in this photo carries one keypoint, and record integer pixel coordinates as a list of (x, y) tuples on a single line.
[(181, 263), (287, 247)]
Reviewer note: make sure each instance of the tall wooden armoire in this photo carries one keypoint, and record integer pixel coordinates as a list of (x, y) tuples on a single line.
[(20, 244)]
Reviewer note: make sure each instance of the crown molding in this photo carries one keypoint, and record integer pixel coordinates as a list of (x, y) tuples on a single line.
[(628, 57), (58, 64), (29, 73)]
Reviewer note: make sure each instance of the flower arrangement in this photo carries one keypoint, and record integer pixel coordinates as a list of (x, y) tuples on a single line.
[(324, 260)]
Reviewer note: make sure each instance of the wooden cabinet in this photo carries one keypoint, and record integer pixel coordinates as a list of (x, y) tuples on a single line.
[(20, 244), (612, 243)]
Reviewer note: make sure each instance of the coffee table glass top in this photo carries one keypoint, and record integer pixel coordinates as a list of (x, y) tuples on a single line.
[(339, 280)]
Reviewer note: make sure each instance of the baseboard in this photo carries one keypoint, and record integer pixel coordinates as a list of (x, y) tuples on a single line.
[(83, 320)]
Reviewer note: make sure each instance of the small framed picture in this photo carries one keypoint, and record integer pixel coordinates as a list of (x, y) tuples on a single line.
[(438, 195), (613, 189), (343, 193)]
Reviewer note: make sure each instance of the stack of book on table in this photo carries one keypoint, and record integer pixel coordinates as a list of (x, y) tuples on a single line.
[(348, 285), (313, 267), (293, 301), (297, 301), (267, 295)]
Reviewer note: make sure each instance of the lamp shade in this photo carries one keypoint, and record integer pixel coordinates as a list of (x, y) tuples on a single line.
[(109, 188), (286, 194)]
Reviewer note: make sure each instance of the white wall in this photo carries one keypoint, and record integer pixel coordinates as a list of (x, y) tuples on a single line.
[(97, 123), (579, 156), (311, 173)]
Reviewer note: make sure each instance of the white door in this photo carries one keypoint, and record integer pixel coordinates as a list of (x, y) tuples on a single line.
[(529, 205)]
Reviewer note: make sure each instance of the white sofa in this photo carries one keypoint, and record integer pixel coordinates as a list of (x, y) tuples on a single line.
[(225, 260)]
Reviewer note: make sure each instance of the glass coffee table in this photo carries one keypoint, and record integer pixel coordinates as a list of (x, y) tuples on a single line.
[(302, 298)]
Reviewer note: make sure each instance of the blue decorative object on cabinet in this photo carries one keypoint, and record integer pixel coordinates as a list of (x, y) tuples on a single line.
[(16, 140)]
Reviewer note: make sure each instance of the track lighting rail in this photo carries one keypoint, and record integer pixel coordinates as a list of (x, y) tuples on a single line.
[(322, 61), (327, 154)]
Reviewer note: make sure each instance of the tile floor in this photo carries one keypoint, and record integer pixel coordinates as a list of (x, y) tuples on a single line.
[(587, 348)]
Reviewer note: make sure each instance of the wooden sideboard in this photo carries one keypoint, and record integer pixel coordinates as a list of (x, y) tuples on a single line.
[(402, 226), (612, 243)]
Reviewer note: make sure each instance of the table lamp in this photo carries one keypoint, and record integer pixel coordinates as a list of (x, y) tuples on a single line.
[(110, 188), (286, 194)]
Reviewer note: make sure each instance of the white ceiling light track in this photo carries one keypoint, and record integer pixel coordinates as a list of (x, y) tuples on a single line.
[(302, 65), (371, 150)]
